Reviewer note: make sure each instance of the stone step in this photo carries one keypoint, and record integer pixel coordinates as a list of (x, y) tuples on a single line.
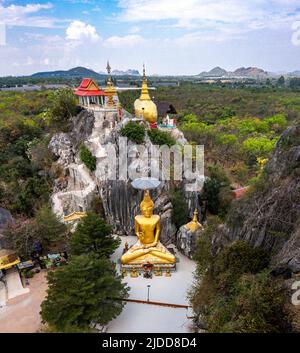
[(14, 284)]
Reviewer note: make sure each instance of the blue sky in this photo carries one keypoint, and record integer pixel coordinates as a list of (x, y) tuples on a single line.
[(170, 36)]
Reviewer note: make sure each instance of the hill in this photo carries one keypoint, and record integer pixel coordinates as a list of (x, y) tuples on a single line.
[(250, 72), (75, 72)]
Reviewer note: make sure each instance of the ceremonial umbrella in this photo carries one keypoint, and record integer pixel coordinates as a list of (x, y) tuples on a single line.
[(145, 183)]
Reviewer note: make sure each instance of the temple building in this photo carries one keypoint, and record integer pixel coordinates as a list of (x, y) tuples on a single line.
[(89, 93), (144, 107), (166, 115)]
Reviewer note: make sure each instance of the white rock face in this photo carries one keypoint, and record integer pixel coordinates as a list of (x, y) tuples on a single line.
[(186, 240)]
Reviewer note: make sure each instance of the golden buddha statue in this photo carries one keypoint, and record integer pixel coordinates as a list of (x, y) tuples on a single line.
[(144, 107), (148, 248)]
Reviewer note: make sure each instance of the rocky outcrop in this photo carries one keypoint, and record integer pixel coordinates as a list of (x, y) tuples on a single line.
[(76, 188), (186, 240), (269, 216)]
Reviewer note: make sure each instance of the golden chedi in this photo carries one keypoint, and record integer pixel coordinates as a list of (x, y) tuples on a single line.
[(194, 225), (110, 90), (144, 107), (148, 248)]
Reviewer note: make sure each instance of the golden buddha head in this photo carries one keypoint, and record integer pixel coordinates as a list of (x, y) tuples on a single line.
[(147, 205)]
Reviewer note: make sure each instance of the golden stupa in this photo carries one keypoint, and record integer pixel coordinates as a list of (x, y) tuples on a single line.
[(148, 249), (194, 225), (144, 107), (110, 90)]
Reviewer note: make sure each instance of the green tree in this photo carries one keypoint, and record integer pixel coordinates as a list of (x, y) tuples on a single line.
[(45, 228), (180, 213), (93, 234), (63, 105), (87, 291), (49, 225), (213, 186), (87, 157), (21, 236)]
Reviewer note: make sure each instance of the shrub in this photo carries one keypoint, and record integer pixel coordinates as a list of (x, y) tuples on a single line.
[(161, 138), (134, 132), (259, 146), (63, 105), (234, 291), (87, 158)]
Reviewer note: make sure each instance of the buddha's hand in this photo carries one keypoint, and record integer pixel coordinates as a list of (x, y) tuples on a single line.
[(151, 245)]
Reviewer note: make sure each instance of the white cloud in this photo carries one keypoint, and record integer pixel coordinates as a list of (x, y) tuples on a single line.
[(191, 14), (26, 15), (80, 31), (129, 40)]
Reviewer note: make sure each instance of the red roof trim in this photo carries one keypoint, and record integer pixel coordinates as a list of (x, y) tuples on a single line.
[(90, 93)]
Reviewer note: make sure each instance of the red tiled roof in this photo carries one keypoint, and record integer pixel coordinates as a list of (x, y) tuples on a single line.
[(83, 89), (238, 193)]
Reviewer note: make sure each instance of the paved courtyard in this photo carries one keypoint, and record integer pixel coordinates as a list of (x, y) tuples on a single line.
[(21, 314)]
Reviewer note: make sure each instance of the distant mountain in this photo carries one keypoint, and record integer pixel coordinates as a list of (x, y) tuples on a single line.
[(84, 72), (294, 73), (215, 72), (125, 73), (75, 72), (252, 72)]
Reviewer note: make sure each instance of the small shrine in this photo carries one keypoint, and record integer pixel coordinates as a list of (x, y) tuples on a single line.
[(194, 225), (89, 93), (166, 115)]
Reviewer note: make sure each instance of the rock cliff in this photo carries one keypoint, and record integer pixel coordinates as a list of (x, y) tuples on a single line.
[(77, 186), (269, 216)]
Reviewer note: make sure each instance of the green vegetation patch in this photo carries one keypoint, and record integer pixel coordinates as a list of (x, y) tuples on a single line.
[(134, 132), (87, 158)]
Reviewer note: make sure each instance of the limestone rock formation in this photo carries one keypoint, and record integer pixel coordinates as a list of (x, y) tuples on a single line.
[(186, 240), (270, 216), (100, 132)]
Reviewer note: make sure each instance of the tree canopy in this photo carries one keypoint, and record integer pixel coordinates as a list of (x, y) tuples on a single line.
[(85, 292)]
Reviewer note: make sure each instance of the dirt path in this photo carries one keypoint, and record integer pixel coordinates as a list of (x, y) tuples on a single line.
[(21, 314)]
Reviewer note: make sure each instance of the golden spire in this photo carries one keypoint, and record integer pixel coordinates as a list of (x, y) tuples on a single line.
[(194, 225), (108, 68), (110, 89), (144, 94)]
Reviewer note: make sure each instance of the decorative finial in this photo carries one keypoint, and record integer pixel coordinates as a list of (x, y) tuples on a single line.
[(144, 70), (108, 68), (195, 218), (194, 224)]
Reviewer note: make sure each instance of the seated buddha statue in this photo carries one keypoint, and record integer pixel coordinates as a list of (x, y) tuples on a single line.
[(148, 248)]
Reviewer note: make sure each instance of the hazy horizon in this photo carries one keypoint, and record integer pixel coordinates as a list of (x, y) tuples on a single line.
[(172, 37)]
